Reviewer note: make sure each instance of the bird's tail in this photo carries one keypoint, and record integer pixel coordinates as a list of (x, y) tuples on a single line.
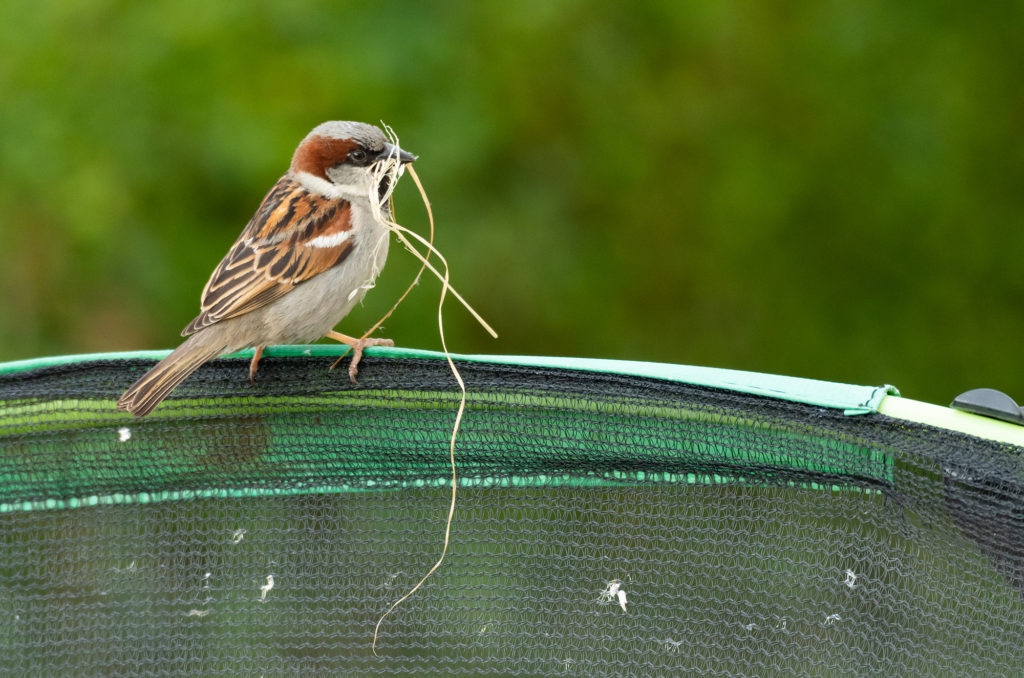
[(155, 385)]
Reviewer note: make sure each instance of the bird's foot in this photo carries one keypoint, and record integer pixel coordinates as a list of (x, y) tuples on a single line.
[(357, 346), (257, 354)]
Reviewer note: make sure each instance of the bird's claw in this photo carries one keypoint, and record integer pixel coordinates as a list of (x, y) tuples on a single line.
[(357, 354)]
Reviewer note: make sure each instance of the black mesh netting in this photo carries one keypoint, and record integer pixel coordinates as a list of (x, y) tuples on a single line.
[(606, 525)]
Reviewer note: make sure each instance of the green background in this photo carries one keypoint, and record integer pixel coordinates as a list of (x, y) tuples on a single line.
[(825, 189)]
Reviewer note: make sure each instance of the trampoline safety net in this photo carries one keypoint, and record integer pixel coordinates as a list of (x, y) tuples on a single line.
[(606, 524)]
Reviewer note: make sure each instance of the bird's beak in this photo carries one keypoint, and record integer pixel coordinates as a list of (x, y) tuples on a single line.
[(392, 151)]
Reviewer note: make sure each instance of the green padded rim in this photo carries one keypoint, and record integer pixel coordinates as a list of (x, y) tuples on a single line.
[(852, 399)]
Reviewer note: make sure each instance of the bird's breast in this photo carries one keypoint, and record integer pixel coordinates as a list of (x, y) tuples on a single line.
[(314, 307)]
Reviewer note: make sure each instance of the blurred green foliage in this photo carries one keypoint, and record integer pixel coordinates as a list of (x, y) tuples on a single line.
[(824, 189)]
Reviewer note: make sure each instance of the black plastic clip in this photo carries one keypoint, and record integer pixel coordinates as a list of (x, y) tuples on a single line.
[(989, 402)]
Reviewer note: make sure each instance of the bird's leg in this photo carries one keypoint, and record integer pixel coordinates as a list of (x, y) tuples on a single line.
[(257, 354), (357, 346)]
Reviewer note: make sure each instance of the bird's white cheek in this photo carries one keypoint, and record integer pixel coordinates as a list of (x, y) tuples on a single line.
[(330, 189)]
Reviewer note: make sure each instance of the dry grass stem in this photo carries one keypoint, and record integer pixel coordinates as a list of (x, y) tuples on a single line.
[(393, 169)]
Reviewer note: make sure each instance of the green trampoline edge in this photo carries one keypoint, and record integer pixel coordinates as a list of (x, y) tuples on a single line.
[(851, 399)]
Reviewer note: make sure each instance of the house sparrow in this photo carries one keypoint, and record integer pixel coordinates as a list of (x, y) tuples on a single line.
[(305, 259)]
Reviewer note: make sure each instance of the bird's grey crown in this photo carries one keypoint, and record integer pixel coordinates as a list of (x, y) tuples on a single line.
[(368, 136)]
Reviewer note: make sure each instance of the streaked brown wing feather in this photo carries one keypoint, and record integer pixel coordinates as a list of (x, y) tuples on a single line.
[(274, 253)]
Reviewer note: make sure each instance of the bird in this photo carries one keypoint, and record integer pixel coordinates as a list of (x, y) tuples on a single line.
[(306, 258)]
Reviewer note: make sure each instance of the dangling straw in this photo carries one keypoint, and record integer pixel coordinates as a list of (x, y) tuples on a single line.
[(393, 169)]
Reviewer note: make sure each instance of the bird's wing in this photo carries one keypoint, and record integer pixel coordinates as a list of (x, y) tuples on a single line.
[(294, 236)]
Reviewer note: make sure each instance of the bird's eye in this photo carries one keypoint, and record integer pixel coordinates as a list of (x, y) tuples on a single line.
[(359, 157)]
